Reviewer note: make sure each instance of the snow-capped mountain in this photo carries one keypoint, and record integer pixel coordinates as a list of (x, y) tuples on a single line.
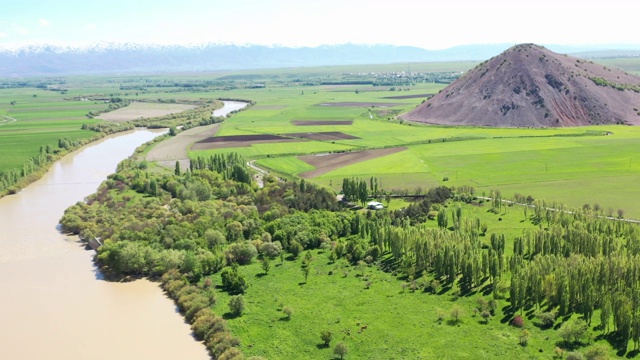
[(120, 58)]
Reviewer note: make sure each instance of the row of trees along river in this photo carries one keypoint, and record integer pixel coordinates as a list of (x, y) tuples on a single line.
[(56, 304)]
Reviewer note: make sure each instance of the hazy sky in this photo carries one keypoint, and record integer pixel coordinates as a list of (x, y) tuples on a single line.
[(427, 24)]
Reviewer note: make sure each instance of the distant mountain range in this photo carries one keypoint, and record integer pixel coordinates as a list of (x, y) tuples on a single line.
[(107, 58)]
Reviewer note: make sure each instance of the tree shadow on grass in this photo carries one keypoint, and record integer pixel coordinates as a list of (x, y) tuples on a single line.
[(261, 275), (229, 316), (284, 318), (618, 343), (632, 354)]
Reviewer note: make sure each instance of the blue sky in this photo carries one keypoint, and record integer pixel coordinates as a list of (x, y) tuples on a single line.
[(427, 24)]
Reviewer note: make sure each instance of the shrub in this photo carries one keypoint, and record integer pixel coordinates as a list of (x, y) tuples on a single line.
[(341, 350), (597, 352), (271, 249), (456, 313), (524, 338), (326, 336), (574, 356), (236, 305), (232, 281), (547, 319), (295, 248), (486, 315), (242, 252), (288, 312), (574, 331), (518, 321)]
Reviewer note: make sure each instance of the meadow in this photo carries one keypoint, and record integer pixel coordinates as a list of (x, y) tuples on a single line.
[(572, 165), (377, 314), (42, 117)]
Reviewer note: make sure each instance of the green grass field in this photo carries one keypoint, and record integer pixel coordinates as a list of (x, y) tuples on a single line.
[(572, 165), (546, 163), (400, 324), (42, 117)]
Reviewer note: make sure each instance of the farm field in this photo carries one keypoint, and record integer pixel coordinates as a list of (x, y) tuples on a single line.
[(42, 117), (571, 165), (137, 110)]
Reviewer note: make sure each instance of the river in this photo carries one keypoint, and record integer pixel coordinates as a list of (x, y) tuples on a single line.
[(54, 302)]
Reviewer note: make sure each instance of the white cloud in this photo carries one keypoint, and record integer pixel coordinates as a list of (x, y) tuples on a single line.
[(3, 35), (43, 22)]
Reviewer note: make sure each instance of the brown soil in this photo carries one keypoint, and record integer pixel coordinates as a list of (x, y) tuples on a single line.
[(248, 140), (241, 138), (238, 141), (321, 122), (167, 152), (416, 96), (360, 104), (530, 86), (329, 162), (324, 136)]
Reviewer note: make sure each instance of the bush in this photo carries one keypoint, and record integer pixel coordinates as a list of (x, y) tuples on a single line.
[(241, 253), (288, 312), (456, 313), (518, 321), (524, 338), (271, 249), (597, 352), (232, 281), (574, 356), (295, 248), (341, 350), (326, 336), (574, 331), (547, 319), (237, 305)]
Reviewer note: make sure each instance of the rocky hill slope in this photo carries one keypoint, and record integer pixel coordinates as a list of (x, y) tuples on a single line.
[(530, 86)]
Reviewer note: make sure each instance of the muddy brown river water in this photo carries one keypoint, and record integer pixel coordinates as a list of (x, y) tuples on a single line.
[(53, 302)]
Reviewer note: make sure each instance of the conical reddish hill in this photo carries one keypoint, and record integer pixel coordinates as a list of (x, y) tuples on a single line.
[(530, 86)]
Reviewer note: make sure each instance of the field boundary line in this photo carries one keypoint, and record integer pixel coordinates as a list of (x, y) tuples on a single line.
[(9, 121)]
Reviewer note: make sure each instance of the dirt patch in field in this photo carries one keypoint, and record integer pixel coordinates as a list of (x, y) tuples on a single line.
[(416, 96), (268, 107), (329, 162), (230, 141), (324, 136), (167, 152), (321, 122), (360, 104), (219, 142), (137, 110)]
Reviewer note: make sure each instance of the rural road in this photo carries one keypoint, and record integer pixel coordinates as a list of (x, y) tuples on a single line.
[(566, 211), (260, 173)]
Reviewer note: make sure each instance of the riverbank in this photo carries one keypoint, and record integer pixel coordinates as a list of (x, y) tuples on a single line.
[(14, 180)]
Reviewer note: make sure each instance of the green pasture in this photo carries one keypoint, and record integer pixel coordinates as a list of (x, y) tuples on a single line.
[(572, 170), (42, 117), (571, 165), (400, 324)]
